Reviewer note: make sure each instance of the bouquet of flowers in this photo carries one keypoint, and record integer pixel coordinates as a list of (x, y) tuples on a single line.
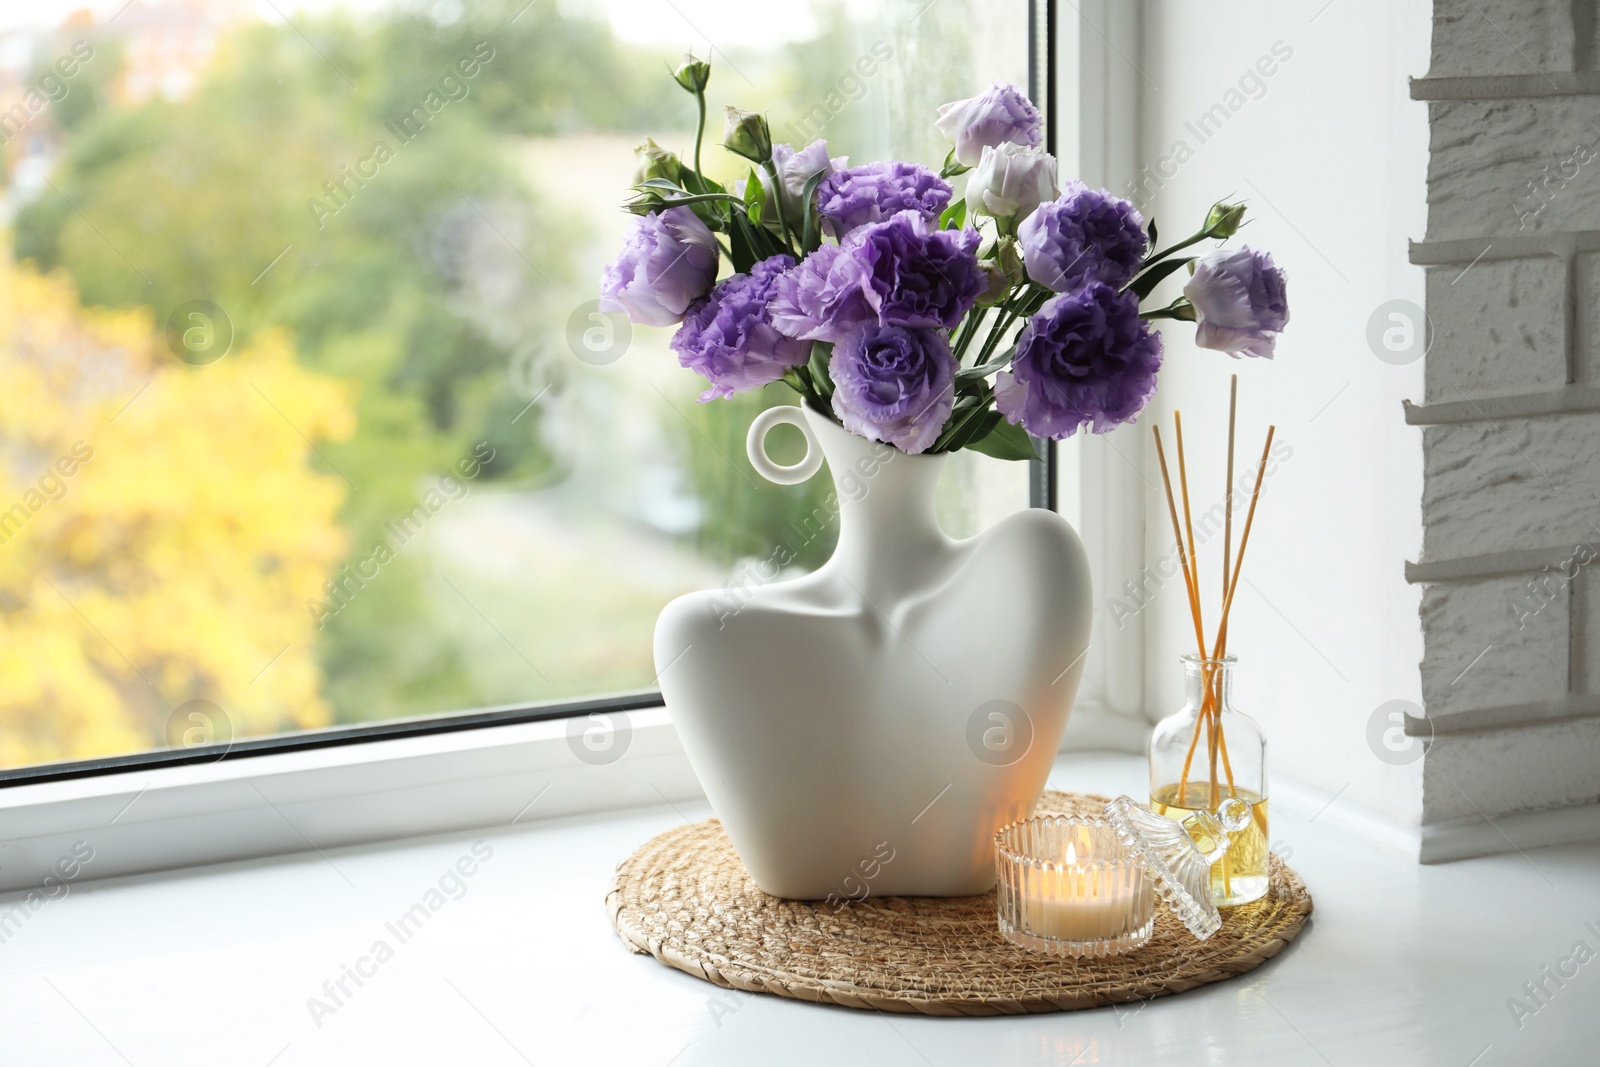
[(889, 305)]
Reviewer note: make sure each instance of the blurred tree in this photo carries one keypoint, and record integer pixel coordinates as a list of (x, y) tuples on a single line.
[(746, 517), (159, 524)]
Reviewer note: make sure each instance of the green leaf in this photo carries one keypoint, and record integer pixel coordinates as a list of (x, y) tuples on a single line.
[(954, 217), (742, 243), (967, 413), (811, 236), (972, 430), (1004, 441), (1151, 230), (694, 183), (665, 185), (821, 352), (755, 198), (983, 370), (1145, 284), (951, 167), (959, 420)]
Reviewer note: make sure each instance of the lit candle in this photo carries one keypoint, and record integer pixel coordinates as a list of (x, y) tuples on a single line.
[(1067, 886)]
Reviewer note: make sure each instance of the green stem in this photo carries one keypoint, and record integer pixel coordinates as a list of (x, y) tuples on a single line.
[(968, 331), (1022, 307), (1183, 311), (997, 332), (700, 134), (1179, 247), (777, 205), (699, 198)]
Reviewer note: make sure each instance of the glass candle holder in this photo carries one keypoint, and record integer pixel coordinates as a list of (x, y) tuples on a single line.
[(1068, 887)]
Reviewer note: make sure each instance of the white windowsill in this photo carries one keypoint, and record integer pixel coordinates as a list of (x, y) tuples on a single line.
[(1401, 964), (173, 817)]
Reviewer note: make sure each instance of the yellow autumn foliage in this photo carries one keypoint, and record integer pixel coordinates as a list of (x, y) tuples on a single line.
[(160, 527)]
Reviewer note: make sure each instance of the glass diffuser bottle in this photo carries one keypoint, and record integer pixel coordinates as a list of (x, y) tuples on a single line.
[(1209, 752)]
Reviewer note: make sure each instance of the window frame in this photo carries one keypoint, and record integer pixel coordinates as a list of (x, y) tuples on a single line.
[(1060, 48)]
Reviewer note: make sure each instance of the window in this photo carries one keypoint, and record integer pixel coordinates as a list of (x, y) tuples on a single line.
[(311, 422)]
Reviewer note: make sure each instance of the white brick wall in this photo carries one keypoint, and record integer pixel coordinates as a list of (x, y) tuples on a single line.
[(1511, 411), (1479, 37), (1499, 326), (1494, 642), (1504, 484), (1514, 166)]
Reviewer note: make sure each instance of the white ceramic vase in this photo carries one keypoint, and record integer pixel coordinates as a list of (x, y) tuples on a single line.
[(865, 729)]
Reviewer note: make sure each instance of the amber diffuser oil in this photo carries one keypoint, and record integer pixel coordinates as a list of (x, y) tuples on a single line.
[(1241, 875)]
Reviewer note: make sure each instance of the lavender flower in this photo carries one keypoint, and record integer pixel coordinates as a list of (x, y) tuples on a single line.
[(894, 384), (1241, 300), (1085, 234), (1086, 359), (668, 261), (1000, 115), (916, 275), (822, 299), (794, 170), (729, 337), (874, 192)]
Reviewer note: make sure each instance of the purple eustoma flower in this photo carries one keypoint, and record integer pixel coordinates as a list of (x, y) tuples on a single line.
[(894, 384), (794, 170), (999, 116), (914, 274), (668, 261), (822, 299), (873, 192), (1086, 359), (729, 337), (1084, 234), (1241, 302)]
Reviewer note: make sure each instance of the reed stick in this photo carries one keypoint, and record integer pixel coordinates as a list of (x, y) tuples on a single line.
[(1188, 518), (1220, 649), (1183, 558), (1244, 541), (1191, 586), (1205, 668), (1227, 495)]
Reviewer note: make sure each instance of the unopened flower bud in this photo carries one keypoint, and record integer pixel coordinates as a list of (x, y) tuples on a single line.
[(693, 74), (653, 161), (1223, 221), (747, 135)]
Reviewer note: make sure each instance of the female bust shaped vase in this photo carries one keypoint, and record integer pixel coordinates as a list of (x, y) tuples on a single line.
[(866, 729)]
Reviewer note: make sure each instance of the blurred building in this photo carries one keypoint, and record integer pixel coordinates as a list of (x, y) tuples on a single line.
[(166, 47)]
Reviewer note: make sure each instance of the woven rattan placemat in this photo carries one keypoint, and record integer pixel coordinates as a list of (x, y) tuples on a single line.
[(685, 899)]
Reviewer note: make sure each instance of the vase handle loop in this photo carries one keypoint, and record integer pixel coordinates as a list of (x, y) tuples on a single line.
[(756, 446)]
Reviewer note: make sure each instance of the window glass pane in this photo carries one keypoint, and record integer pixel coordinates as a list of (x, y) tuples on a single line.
[(308, 420)]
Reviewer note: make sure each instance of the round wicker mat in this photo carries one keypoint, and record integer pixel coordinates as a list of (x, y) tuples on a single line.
[(685, 899)]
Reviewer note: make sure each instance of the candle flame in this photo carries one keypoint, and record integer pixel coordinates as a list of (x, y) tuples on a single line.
[(1072, 853)]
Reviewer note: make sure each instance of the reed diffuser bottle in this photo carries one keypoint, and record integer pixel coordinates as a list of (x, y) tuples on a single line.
[(1209, 752)]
